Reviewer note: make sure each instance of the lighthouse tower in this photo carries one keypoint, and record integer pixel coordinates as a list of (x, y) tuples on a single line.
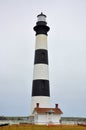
[(41, 112), (40, 85)]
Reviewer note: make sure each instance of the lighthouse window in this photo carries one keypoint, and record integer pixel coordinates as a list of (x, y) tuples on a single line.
[(43, 55), (41, 18), (43, 84)]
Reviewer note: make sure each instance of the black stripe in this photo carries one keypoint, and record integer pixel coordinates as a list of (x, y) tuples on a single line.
[(41, 23), (41, 29), (41, 56), (40, 88)]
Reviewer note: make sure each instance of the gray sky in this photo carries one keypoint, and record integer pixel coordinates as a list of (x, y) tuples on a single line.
[(67, 54)]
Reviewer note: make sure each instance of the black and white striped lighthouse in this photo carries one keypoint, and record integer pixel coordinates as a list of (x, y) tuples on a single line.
[(40, 85)]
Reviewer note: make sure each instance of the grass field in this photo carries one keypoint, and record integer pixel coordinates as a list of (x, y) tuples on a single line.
[(37, 127)]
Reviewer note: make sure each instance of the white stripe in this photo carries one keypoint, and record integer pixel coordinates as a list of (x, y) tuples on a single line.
[(44, 102), (41, 41), (41, 71)]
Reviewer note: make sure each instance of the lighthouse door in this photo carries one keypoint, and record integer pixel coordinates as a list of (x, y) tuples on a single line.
[(49, 117)]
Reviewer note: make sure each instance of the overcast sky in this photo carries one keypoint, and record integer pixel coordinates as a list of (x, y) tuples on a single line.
[(67, 54)]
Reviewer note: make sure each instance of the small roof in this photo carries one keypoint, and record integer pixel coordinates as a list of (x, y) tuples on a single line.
[(41, 15), (48, 110)]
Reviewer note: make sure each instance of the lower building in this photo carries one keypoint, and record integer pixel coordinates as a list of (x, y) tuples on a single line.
[(47, 115)]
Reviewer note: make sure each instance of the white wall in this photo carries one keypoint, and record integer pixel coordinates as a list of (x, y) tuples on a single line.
[(9, 122), (56, 119), (44, 101), (46, 119)]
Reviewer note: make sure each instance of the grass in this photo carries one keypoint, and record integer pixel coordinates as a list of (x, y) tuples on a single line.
[(43, 127)]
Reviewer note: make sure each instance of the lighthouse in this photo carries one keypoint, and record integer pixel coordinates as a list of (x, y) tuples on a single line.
[(41, 111), (40, 85)]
